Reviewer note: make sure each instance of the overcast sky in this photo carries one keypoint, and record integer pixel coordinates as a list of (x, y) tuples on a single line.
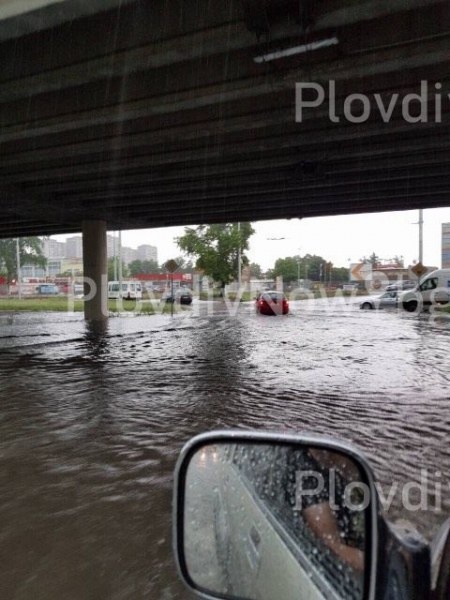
[(341, 239)]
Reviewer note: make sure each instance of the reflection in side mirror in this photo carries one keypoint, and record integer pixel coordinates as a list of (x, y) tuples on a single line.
[(259, 519)]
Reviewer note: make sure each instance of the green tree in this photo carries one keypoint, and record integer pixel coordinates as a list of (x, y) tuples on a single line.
[(125, 271), (135, 267), (314, 267), (292, 268), (256, 271), (373, 259), (215, 249), (150, 266), (30, 252), (143, 267), (185, 265), (339, 274), (399, 261), (287, 268)]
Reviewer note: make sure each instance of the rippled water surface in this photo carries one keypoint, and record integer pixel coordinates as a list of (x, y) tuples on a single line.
[(91, 424)]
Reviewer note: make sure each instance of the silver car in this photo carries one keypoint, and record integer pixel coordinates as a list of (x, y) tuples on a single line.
[(386, 300)]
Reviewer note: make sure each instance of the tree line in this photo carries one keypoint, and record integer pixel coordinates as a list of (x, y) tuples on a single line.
[(308, 267), (212, 249), (215, 250), (30, 253)]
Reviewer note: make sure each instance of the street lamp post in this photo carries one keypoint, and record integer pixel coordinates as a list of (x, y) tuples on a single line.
[(239, 261), (115, 256), (421, 236), (120, 263), (19, 284)]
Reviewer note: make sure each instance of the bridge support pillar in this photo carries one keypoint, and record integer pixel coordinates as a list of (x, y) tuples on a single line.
[(95, 269)]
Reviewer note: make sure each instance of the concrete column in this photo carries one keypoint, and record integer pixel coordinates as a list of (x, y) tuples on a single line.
[(95, 269)]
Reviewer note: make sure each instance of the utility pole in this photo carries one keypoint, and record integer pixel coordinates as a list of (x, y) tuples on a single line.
[(421, 236), (115, 255), (239, 261), (120, 263), (19, 284)]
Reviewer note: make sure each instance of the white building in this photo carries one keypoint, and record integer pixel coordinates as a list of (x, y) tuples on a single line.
[(147, 252), (74, 247), (53, 248), (446, 245), (128, 254), (112, 245)]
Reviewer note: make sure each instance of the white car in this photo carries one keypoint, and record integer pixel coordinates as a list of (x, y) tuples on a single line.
[(386, 300)]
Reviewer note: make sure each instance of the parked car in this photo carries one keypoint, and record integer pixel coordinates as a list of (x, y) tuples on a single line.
[(78, 290), (152, 289), (386, 300), (408, 284), (181, 295), (47, 289), (131, 290), (272, 303)]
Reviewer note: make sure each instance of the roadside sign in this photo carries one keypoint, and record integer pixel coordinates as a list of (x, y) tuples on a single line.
[(419, 270), (360, 271), (171, 265)]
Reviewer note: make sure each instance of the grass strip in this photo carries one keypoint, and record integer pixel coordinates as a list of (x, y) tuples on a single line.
[(64, 304)]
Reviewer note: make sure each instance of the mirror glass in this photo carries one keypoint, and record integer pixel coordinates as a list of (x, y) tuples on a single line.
[(265, 521)]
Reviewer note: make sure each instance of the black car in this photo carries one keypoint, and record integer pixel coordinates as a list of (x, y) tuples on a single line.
[(182, 296)]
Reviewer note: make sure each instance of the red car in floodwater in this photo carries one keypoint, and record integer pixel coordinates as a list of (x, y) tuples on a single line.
[(272, 303)]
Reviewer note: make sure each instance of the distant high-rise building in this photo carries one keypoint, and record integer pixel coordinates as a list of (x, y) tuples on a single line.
[(53, 248), (128, 254), (112, 245), (147, 252), (74, 247), (446, 245)]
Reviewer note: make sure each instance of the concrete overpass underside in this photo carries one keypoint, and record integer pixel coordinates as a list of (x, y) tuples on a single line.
[(156, 113)]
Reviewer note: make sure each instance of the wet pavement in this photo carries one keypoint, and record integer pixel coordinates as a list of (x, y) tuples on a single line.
[(91, 424)]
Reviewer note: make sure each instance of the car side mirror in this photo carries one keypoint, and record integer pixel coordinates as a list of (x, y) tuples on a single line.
[(261, 516)]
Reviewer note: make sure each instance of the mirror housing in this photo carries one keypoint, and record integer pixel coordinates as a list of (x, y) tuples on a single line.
[(242, 530)]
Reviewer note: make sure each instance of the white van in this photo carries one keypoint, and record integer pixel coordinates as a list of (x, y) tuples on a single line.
[(432, 289), (131, 290)]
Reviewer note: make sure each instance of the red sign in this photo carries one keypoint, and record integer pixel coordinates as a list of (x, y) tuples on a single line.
[(164, 277)]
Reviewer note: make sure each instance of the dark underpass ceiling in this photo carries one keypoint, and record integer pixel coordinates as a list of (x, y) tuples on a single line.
[(155, 113)]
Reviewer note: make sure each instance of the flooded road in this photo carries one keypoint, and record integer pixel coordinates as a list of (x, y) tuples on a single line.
[(91, 425)]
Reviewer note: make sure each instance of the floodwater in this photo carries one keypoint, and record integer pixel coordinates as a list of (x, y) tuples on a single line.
[(91, 423)]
